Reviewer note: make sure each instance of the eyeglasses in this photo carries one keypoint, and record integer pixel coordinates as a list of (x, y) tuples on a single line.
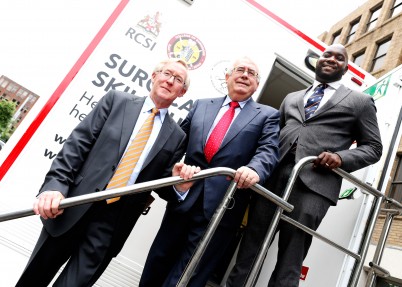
[(242, 70), (168, 74)]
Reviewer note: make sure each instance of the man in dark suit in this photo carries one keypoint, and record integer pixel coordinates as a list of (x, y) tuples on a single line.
[(342, 117), (249, 146), (90, 235)]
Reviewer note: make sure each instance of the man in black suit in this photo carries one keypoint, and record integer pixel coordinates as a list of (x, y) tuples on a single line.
[(249, 145), (342, 117), (89, 236)]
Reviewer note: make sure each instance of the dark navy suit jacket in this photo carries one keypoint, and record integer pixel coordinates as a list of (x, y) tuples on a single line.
[(252, 141)]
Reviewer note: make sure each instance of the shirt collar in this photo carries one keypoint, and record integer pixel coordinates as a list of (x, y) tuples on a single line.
[(228, 100), (149, 105), (334, 85)]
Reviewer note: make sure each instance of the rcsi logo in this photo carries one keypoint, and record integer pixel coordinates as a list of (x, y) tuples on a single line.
[(189, 48), (151, 26)]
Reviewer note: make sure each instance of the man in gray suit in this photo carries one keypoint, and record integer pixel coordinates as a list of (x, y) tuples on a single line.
[(90, 235), (324, 120)]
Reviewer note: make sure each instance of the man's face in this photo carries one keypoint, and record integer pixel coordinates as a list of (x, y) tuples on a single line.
[(332, 64), (243, 81), (168, 84)]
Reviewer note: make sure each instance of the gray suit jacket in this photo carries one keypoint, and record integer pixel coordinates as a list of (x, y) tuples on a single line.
[(347, 117), (92, 152)]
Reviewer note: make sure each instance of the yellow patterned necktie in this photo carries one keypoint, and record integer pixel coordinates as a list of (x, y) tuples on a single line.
[(132, 155)]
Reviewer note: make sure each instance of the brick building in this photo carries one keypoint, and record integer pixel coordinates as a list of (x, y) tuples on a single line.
[(23, 98), (372, 35)]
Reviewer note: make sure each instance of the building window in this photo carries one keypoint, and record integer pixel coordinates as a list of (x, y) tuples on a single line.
[(352, 32), (358, 58), (336, 37), (4, 83), (373, 19), (397, 8), (20, 93), (379, 58), (12, 88)]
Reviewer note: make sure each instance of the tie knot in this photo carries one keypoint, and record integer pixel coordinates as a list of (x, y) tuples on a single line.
[(234, 105), (155, 111), (321, 87)]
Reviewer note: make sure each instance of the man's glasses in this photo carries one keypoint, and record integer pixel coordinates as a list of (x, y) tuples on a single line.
[(168, 74), (241, 70)]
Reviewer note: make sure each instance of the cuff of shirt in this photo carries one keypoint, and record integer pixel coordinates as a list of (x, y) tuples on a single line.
[(181, 195)]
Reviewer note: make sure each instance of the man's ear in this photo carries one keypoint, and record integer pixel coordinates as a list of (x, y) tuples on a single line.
[(153, 77), (182, 92), (346, 69)]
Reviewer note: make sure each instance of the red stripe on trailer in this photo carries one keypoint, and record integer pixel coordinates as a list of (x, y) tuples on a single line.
[(59, 90), (299, 33)]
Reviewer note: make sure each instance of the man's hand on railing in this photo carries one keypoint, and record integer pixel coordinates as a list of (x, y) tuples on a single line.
[(47, 204), (185, 172), (328, 160), (246, 177)]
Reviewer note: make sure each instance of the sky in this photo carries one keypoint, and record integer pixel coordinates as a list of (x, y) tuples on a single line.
[(41, 38)]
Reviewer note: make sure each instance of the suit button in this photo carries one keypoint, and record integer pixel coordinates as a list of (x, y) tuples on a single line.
[(96, 190), (304, 124), (113, 168)]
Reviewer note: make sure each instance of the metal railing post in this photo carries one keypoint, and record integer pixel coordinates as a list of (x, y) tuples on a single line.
[(390, 214), (252, 278), (365, 245), (219, 212), (202, 245)]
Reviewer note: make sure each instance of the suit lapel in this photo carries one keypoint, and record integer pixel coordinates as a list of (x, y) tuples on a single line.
[(300, 103), (338, 96), (130, 116)]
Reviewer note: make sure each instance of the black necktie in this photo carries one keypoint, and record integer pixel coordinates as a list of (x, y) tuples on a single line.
[(314, 100)]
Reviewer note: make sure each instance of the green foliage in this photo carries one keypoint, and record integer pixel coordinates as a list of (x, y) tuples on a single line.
[(7, 110)]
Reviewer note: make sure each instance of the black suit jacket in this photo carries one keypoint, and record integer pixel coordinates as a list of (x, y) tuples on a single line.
[(92, 152)]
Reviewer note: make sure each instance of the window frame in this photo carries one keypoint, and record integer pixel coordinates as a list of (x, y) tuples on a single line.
[(352, 32), (336, 36), (358, 54), (381, 56), (396, 7), (372, 23)]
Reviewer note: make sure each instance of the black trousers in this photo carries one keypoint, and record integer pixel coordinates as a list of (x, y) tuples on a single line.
[(309, 209), (88, 247), (175, 244)]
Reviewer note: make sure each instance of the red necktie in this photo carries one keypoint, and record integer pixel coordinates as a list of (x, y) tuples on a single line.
[(218, 133)]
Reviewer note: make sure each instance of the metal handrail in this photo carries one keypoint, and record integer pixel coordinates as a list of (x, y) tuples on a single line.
[(155, 184), (375, 268), (282, 204), (147, 186), (252, 278)]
